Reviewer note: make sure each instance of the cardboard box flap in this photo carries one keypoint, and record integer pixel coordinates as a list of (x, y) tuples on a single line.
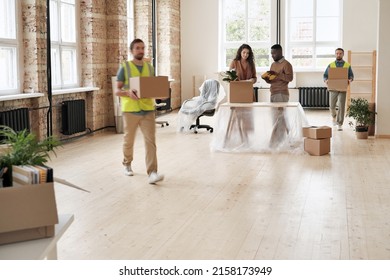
[(27, 207)]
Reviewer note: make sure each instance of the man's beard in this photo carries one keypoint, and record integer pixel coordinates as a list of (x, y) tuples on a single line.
[(139, 57)]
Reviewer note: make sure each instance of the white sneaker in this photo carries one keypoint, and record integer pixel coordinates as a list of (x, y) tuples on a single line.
[(154, 177), (339, 127), (128, 171)]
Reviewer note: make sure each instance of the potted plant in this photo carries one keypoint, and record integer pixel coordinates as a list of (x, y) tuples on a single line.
[(230, 75), (23, 149), (359, 110)]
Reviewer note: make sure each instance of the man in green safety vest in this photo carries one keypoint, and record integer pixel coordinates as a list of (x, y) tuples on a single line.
[(137, 112), (338, 96)]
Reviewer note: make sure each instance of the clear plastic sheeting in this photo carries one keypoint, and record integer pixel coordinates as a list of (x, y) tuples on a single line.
[(259, 127), (211, 93)]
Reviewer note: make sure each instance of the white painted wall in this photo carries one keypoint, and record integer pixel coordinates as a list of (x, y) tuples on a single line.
[(383, 81), (199, 41)]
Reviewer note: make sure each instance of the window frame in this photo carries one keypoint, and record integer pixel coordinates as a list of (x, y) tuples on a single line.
[(224, 45), (61, 46), (130, 18), (15, 44), (314, 44)]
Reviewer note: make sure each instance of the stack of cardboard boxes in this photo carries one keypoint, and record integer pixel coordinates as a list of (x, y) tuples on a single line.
[(317, 140)]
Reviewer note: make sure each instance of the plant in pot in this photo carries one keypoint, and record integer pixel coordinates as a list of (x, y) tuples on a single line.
[(23, 149), (230, 75), (360, 111)]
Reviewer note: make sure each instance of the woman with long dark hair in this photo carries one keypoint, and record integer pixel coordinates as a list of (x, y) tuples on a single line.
[(244, 64)]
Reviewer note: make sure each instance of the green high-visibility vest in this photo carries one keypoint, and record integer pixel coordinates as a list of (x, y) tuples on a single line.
[(128, 104)]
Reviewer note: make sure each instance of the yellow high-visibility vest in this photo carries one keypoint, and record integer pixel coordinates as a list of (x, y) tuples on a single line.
[(128, 104), (333, 64)]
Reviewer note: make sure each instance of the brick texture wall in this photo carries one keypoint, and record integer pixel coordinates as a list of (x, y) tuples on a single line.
[(103, 45)]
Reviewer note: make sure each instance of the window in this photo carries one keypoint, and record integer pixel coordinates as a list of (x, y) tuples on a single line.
[(130, 21), (63, 43), (313, 32), (250, 22), (8, 48)]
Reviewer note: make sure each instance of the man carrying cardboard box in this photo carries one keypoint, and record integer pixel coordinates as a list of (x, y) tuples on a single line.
[(137, 112), (338, 92)]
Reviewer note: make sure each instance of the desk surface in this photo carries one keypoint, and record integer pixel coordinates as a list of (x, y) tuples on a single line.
[(262, 104), (36, 249)]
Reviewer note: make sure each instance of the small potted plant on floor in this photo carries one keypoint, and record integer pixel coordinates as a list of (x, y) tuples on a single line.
[(23, 148), (359, 110)]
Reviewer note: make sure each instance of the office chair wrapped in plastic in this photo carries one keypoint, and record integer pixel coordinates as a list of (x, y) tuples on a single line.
[(211, 93)]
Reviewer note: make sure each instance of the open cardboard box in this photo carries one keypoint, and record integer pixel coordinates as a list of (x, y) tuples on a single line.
[(240, 92), (150, 87), (29, 212), (338, 79)]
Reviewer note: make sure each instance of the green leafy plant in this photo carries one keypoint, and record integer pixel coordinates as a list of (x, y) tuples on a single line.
[(230, 75), (24, 148), (360, 111)]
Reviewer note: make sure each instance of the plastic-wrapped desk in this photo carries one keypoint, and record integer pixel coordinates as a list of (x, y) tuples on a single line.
[(259, 127)]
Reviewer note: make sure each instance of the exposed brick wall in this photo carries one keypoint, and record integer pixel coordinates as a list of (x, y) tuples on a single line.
[(103, 45), (168, 38)]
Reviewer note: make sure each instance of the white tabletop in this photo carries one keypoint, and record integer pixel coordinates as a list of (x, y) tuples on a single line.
[(262, 104), (36, 249)]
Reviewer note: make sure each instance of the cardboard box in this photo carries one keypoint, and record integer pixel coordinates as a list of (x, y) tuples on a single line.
[(27, 212), (317, 147), (150, 87), (241, 92), (317, 132), (338, 79)]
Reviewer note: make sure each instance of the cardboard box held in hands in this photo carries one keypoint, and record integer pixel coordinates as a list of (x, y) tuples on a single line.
[(338, 79), (150, 87)]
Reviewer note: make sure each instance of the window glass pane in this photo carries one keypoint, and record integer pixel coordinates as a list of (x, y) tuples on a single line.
[(235, 20), (302, 57), (230, 55), (259, 30), (328, 29), (302, 8), (7, 19), (262, 57), (8, 68), (69, 70), (259, 8), (328, 8), (301, 30), (54, 21), (69, 1), (325, 55), (68, 23), (55, 67)]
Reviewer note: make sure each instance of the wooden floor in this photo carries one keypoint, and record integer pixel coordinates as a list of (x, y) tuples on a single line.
[(226, 206)]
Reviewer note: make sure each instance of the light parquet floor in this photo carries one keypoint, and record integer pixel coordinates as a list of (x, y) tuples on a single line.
[(226, 206)]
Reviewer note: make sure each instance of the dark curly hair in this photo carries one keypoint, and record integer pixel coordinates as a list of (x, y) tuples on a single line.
[(251, 57)]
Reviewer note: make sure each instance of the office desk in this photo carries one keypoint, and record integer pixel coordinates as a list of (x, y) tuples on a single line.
[(39, 249), (259, 127)]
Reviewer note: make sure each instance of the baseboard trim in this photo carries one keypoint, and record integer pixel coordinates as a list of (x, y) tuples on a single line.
[(383, 136)]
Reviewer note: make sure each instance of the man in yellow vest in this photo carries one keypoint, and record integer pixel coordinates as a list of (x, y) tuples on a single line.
[(137, 112), (338, 96)]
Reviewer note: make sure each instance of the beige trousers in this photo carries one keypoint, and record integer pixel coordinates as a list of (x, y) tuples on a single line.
[(148, 128), (337, 98)]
